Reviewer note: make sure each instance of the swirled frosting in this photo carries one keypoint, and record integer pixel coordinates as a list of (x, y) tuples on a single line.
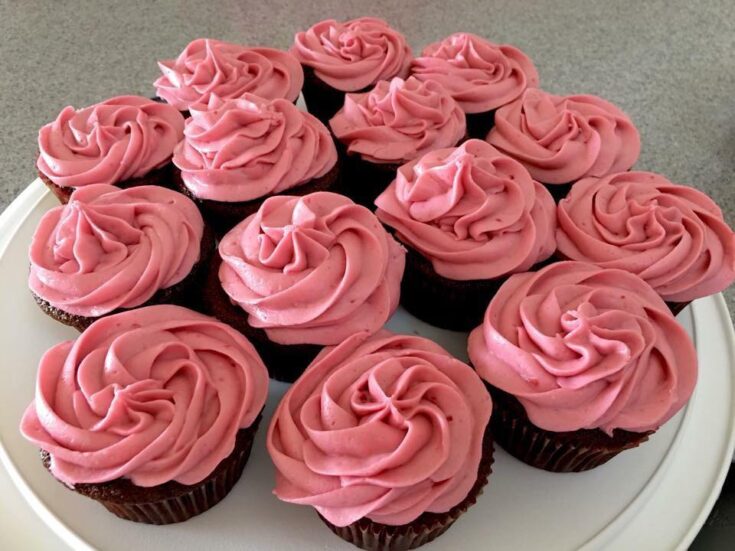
[(152, 395), (672, 236), (242, 149), (473, 212), (386, 428), (354, 54), (561, 139), (584, 347), (208, 66), (398, 121), (118, 139), (112, 248), (312, 269), (480, 75)]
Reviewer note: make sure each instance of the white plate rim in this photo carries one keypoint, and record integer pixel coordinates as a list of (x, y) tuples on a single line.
[(12, 218)]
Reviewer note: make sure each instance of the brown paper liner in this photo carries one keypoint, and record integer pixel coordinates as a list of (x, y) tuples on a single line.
[(158, 177), (285, 362), (374, 536), (171, 502), (559, 452), (186, 292)]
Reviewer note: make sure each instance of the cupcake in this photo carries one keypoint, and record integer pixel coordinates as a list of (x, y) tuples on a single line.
[(238, 152), (208, 66), (150, 412), (386, 437), (303, 273), (126, 141), (672, 236), (112, 249), (582, 362), (562, 139), (480, 75), (469, 217), (350, 56), (396, 122)]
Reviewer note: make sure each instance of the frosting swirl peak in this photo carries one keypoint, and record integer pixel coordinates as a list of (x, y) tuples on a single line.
[(473, 212), (386, 427), (152, 395), (312, 269), (584, 347)]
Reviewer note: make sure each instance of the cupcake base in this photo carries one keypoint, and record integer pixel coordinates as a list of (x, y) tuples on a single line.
[(677, 307), (223, 216), (480, 124), (374, 536), (171, 502), (285, 362), (559, 191), (362, 180), (321, 99), (158, 177), (559, 452), (184, 293)]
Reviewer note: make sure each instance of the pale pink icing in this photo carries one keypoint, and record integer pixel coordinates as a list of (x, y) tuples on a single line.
[(473, 212), (480, 74), (118, 139), (112, 248), (312, 269), (398, 121), (561, 139), (354, 54), (385, 428), (584, 347), (151, 395), (208, 66), (242, 149), (672, 236)]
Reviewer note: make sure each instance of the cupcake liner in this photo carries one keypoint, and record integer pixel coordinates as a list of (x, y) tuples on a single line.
[(172, 502), (285, 362), (159, 177), (374, 536), (480, 124), (559, 452), (223, 216)]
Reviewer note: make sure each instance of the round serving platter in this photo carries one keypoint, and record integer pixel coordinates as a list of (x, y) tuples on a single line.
[(654, 497)]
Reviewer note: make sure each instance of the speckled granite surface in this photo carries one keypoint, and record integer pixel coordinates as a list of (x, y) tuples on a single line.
[(669, 64)]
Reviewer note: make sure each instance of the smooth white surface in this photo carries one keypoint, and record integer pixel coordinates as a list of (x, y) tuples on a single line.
[(653, 497)]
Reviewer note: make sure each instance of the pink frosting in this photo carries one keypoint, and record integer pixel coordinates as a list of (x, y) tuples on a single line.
[(561, 139), (672, 236), (480, 74), (112, 248), (386, 428), (312, 269), (242, 149), (352, 55), (398, 121), (584, 347), (208, 66), (121, 138), (151, 395), (473, 212)]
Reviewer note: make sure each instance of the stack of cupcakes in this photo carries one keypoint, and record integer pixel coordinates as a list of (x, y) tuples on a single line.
[(225, 197)]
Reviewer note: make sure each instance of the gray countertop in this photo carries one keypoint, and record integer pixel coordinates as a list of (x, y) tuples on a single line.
[(669, 64)]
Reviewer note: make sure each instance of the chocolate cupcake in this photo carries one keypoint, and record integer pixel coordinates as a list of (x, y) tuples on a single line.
[(237, 153), (303, 273), (126, 141), (112, 249), (480, 75), (562, 139), (672, 236), (583, 362), (469, 217), (210, 67), (350, 56), (386, 437), (396, 122), (150, 412)]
